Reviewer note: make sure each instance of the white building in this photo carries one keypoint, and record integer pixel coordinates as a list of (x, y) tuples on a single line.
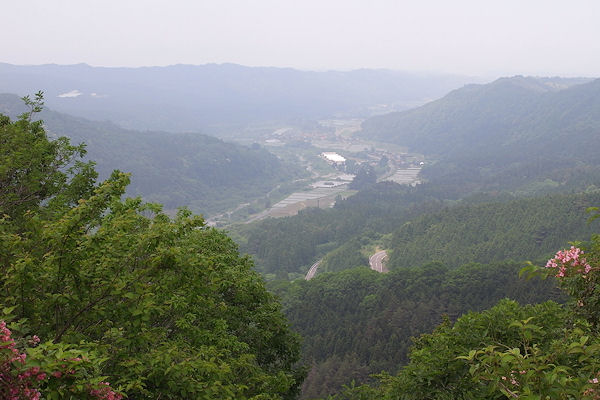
[(333, 158)]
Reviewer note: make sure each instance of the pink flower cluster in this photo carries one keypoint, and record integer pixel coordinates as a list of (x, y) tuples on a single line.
[(21, 385), (569, 261), (104, 392), (16, 387)]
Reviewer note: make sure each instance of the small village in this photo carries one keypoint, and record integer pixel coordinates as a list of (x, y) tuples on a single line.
[(343, 153)]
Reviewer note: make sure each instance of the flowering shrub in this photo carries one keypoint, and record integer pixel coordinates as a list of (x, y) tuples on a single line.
[(104, 392), (567, 367), (26, 378), (569, 263), (576, 271), (14, 384)]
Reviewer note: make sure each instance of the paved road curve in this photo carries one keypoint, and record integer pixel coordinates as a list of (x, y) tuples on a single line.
[(376, 261), (313, 270)]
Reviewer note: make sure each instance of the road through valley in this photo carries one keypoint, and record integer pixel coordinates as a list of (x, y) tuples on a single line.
[(376, 261), (313, 270)]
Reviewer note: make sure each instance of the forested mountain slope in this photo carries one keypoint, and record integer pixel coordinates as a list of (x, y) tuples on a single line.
[(482, 228), (518, 229), (511, 134), (514, 113), (194, 170), (359, 322), (545, 351), (286, 247), (188, 97), (456, 259)]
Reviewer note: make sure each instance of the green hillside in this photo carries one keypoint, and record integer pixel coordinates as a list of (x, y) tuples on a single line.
[(512, 113), (506, 135), (358, 322), (194, 170), (286, 247), (424, 227), (510, 351), (519, 229)]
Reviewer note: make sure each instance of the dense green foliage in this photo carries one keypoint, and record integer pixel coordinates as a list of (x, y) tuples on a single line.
[(29, 367), (194, 170), (25, 184), (541, 352), (482, 228), (517, 229), (168, 306), (359, 322), (436, 372), (348, 255), (290, 245)]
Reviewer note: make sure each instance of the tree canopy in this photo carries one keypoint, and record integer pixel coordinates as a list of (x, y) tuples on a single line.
[(168, 306)]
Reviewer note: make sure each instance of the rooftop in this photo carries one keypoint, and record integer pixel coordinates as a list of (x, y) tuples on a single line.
[(331, 156)]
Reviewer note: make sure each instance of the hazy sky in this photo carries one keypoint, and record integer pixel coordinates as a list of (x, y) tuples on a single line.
[(476, 37)]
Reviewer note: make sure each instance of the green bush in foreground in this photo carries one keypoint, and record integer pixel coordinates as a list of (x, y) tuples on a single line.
[(168, 306)]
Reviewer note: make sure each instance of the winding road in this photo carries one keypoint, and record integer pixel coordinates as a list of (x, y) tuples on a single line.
[(312, 271), (376, 261)]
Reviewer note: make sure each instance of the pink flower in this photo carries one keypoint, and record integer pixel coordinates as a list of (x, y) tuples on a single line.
[(104, 392), (569, 260)]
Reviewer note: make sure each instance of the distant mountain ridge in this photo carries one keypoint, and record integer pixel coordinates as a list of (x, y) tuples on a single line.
[(509, 133), (187, 97), (194, 170), (498, 113)]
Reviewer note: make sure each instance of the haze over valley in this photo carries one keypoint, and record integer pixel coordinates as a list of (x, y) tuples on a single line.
[(316, 200)]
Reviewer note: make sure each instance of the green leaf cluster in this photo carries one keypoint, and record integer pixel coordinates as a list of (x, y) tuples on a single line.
[(168, 304), (519, 229)]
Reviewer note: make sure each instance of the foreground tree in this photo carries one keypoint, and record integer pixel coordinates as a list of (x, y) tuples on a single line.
[(167, 304), (34, 169)]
